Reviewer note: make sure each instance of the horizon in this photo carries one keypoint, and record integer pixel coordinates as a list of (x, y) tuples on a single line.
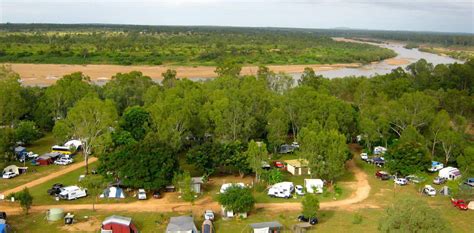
[(441, 16)]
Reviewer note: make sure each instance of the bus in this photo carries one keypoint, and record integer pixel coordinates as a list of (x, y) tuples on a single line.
[(61, 149)]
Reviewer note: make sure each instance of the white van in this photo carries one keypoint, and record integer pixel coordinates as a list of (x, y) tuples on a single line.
[(72, 192), (449, 173)]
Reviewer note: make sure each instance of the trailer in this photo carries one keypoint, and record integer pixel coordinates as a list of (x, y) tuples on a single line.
[(449, 173), (72, 192)]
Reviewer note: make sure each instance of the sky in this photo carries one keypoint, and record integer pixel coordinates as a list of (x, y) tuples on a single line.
[(410, 15)]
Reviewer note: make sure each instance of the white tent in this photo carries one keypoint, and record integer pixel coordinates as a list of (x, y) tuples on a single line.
[(471, 205), (113, 192), (12, 168), (314, 185), (76, 144)]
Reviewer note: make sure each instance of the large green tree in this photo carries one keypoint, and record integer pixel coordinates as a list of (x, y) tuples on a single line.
[(256, 154), (12, 104), (88, 121), (310, 205), (408, 158), (237, 199)]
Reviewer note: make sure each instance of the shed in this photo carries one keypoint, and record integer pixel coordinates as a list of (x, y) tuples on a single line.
[(118, 224), (12, 168), (267, 227), (314, 185), (297, 167), (196, 183), (113, 192), (55, 214), (181, 224)]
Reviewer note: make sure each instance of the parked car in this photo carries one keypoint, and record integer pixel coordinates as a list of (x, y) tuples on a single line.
[(64, 161), (401, 181), (470, 182), (209, 215), (266, 166), (414, 179), (299, 190), (312, 221), (56, 189), (3, 215), (364, 156), (156, 194), (382, 175), (9, 175), (141, 194), (429, 190), (459, 203), (279, 164), (379, 161), (439, 180)]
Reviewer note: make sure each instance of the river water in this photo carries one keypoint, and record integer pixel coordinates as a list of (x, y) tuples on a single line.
[(383, 67)]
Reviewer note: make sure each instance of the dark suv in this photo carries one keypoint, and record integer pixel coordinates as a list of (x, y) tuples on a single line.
[(312, 221), (55, 190)]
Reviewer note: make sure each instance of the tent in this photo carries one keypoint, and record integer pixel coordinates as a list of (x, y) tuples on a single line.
[(266, 227), (12, 168), (471, 205), (113, 192), (47, 158), (76, 144), (55, 214), (181, 224), (118, 224)]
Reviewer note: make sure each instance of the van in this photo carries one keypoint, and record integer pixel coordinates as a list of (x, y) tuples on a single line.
[(72, 192), (449, 173)]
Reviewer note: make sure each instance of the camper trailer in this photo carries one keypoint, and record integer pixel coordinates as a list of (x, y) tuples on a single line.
[(281, 190), (435, 166), (314, 185), (449, 173), (72, 192)]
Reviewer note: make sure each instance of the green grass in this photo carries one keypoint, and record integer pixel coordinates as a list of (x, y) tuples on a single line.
[(41, 146)]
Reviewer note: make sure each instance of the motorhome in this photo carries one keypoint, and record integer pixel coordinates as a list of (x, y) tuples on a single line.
[(449, 173), (72, 192)]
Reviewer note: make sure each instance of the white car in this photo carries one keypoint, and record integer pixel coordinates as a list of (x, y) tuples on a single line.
[(209, 215), (63, 161), (364, 156), (429, 190), (8, 175), (299, 190), (401, 181), (141, 194)]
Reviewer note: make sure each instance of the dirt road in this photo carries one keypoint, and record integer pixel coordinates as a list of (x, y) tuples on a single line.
[(51, 176), (168, 204), (47, 74)]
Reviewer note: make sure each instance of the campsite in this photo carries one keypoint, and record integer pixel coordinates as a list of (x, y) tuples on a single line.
[(249, 122)]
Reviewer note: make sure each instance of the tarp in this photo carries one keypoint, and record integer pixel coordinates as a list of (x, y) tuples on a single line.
[(113, 192)]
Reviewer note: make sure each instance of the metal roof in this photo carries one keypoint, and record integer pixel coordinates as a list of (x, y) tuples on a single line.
[(273, 224), (181, 223), (117, 219)]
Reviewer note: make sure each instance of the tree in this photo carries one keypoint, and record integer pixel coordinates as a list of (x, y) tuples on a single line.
[(412, 215), (256, 155), (310, 205), (136, 120), (169, 78), (466, 161), (7, 142), (272, 176), (440, 124), (228, 68), (277, 128), (87, 121), (408, 158), (183, 182), (148, 164), (25, 198), (12, 104), (94, 185), (309, 78), (237, 199), (27, 132), (127, 89)]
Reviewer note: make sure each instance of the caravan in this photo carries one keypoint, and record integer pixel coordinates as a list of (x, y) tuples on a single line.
[(449, 173), (72, 192), (281, 190)]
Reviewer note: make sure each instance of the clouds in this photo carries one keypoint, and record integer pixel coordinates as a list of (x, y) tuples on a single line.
[(427, 15)]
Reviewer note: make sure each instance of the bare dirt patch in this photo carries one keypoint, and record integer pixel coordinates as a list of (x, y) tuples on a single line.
[(83, 225), (397, 61), (48, 74)]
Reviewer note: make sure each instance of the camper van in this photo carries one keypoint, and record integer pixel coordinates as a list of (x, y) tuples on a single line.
[(449, 173), (435, 166), (72, 192), (61, 149)]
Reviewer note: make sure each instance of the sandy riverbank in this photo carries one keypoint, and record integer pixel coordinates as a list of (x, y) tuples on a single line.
[(47, 74)]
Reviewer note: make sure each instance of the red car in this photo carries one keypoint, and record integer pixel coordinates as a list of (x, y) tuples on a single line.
[(279, 164), (461, 204)]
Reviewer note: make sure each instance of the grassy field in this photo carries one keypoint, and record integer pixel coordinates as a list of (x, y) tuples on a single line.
[(41, 146)]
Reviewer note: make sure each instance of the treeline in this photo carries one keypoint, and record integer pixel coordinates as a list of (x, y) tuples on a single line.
[(421, 114), (153, 45)]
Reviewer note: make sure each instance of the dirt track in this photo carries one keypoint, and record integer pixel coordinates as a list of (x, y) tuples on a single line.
[(166, 204), (51, 176), (47, 74)]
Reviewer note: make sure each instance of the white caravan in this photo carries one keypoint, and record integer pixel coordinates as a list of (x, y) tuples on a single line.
[(449, 173), (72, 192), (282, 190), (314, 185)]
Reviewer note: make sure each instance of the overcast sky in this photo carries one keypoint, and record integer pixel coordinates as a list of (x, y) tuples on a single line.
[(415, 15)]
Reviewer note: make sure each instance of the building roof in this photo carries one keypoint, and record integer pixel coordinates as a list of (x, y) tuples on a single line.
[(197, 180), (259, 225), (181, 223), (117, 219), (297, 162)]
